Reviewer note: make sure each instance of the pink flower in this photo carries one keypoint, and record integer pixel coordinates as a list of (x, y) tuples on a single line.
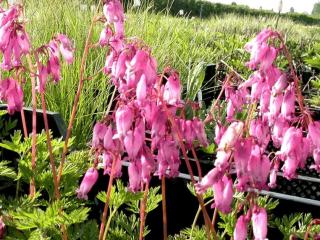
[(23, 41), (273, 178), (291, 151), (188, 132), (124, 119), (199, 129), (42, 78), (275, 107), (133, 140), (259, 223), (223, 195), (147, 164), (265, 101), (105, 36), (241, 230), (172, 90), (231, 135), (219, 131), (66, 48), (314, 132), (279, 129), (168, 158), (113, 11), (141, 91), (99, 131), (208, 180), (90, 178), (108, 143), (11, 92), (288, 104), (316, 158), (107, 164), (134, 171), (260, 130), (280, 84)]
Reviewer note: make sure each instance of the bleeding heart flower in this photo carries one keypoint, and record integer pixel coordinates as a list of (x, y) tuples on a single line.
[(241, 230), (223, 195), (90, 178), (208, 180), (124, 119), (11, 92), (172, 89), (259, 223)]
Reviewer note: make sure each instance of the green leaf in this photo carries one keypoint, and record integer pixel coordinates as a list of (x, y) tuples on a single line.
[(211, 149), (6, 171)]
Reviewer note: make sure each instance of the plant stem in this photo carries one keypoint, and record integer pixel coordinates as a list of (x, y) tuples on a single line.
[(143, 211), (214, 218), (209, 118), (295, 79), (24, 125), (106, 206), (196, 218), (34, 126), (108, 223), (187, 161), (194, 154), (164, 208), (53, 167), (77, 97)]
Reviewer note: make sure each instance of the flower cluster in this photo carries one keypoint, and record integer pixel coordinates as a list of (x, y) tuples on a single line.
[(273, 128), (139, 130), (15, 43), (48, 59)]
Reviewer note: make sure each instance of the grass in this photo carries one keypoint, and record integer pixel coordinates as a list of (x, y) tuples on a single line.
[(182, 43)]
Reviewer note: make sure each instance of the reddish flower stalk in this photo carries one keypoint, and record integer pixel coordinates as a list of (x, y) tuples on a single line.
[(164, 208), (24, 125), (106, 206), (46, 126), (77, 97), (209, 118), (207, 220), (293, 73), (34, 126), (143, 211), (194, 154)]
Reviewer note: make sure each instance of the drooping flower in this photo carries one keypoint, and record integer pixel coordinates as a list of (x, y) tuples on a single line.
[(231, 135), (241, 230), (172, 89), (259, 223), (168, 158), (42, 77), (99, 131), (90, 178), (199, 129), (11, 92), (134, 171), (134, 139), (108, 159), (208, 180), (316, 158), (280, 85), (66, 48), (124, 119), (288, 104), (314, 132), (105, 36), (291, 151), (223, 194), (113, 11)]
